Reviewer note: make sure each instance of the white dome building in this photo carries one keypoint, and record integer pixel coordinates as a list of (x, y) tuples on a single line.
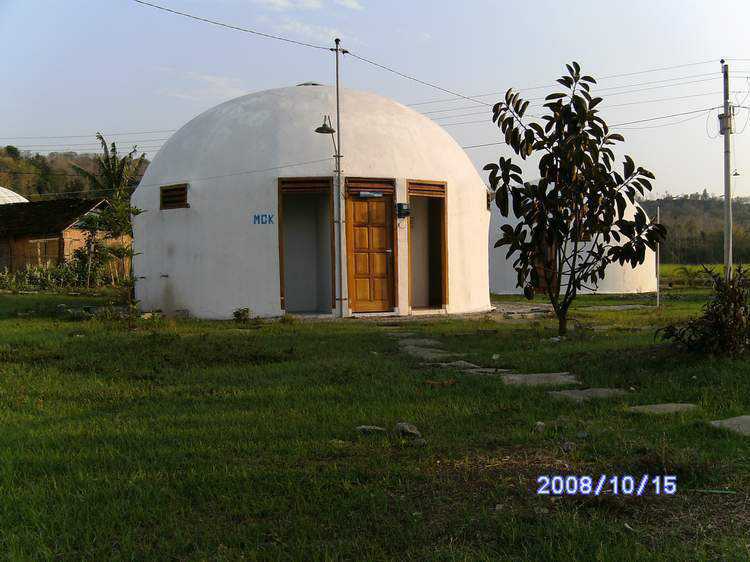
[(618, 279), (240, 209), (8, 196)]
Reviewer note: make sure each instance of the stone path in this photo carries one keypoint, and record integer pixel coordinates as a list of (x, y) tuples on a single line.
[(429, 349)]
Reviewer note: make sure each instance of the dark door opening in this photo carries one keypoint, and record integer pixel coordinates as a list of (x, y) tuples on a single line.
[(306, 245), (427, 248)]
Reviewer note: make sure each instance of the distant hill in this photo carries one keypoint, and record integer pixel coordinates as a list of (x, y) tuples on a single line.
[(33, 175), (695, 228)]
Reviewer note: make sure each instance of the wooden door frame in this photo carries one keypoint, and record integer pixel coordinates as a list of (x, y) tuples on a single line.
[(386, 186), (437, 190), (310, 184)]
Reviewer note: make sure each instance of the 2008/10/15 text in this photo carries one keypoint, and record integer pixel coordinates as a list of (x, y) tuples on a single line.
[(625, 485)]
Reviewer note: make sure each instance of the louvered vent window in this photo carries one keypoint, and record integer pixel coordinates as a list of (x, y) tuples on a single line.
[(174, 196)]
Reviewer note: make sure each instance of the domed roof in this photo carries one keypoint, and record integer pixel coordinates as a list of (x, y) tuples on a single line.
[(276, 129), (8, 196)]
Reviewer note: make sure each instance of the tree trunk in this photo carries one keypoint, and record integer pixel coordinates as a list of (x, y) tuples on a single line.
[(562, 322), (90, 251)]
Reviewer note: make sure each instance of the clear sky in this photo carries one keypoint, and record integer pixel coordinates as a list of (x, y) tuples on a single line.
[(77, 66)]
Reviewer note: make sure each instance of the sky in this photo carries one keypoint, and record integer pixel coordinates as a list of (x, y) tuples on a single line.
[(75, 67)]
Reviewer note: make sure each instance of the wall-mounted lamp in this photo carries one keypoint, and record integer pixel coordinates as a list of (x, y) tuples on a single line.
[(402, 210)]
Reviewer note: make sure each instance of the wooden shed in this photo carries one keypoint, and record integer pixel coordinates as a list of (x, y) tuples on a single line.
[(42, 233)]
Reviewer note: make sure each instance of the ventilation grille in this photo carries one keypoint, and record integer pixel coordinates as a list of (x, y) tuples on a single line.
[(174, 197), (306, 185), (427, 188)]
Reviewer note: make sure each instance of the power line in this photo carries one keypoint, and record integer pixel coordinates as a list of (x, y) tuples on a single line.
[(617, 124), (543, 98), (419, 81), (603, 106), (233, 174), (649, 83), (92, 135), (88, 144), (233, 27)]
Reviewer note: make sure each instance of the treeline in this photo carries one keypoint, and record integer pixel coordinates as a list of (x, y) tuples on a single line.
[(695, 228), (31, 174)]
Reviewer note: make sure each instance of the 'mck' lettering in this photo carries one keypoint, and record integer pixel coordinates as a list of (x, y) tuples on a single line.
[(263, 218)]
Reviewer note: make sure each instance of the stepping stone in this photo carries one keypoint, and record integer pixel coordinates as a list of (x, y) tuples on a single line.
[(670, 408), (485, 371), (540, 379), (419, 342), (587, 394), (458, 365), (740, 424), (426, 353), (401, 335)]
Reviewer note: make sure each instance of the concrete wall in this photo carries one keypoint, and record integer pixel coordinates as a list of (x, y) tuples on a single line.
[(211, 258), (618, 279)]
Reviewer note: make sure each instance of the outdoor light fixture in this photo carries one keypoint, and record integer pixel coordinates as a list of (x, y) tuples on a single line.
[(325, 128)]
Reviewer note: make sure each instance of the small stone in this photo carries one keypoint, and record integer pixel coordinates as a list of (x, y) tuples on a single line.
[(539, 426), (406, 429), (568, 447), (555, 339), (495, 356), (582, 435), (371, 430)]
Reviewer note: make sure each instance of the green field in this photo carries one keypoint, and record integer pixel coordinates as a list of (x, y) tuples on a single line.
[(189, 440)]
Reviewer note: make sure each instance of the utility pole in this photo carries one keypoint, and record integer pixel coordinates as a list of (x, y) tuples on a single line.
[(343, 309), (658, 260), (725, 127)]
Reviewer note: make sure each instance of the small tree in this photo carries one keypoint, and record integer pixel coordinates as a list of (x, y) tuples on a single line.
[(115, 175), (572, 222)]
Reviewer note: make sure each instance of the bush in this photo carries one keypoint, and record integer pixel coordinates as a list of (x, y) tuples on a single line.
[(724, 326)]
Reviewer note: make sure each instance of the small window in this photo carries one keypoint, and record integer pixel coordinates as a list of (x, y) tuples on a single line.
[(174, 196)]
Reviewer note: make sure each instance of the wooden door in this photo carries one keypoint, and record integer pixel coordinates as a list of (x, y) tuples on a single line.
[(369, 241)]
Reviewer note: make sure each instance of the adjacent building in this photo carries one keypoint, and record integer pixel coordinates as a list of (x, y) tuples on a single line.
[(242, 209)]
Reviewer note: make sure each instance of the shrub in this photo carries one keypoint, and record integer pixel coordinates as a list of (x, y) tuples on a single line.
[(724, 326)]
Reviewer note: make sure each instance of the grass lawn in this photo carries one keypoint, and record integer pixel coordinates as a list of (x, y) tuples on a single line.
[(189, 440)]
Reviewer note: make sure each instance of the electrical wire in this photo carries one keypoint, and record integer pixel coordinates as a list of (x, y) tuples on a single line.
[(604, 106), (418, 80), (106, 136), (88, 144), (543, 98), (649, 83), (232, 27), (616, 125), (233, 174)]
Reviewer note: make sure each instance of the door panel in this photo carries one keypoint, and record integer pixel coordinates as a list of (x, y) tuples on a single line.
[(370, 253)]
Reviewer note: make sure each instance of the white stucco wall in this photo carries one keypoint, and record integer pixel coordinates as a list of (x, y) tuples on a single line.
[(210, 259), (618, 279)]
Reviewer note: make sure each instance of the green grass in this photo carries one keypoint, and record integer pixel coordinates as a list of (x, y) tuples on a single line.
[(197, 440)]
